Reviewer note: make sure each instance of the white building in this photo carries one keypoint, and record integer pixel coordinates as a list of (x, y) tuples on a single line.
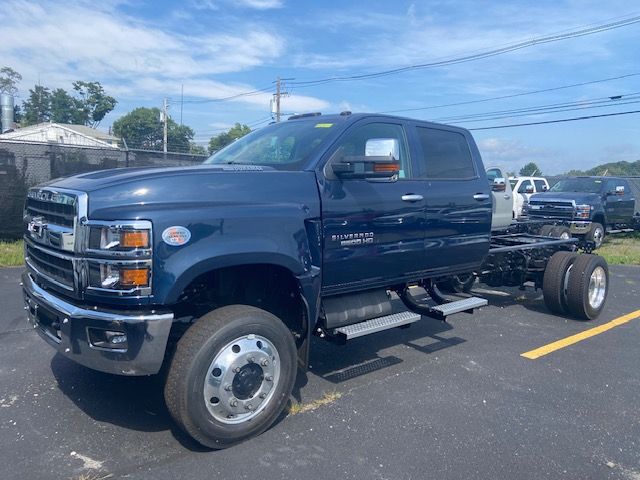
[(61, 133)]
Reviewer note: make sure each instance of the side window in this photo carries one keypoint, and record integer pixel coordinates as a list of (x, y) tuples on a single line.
[(523, 186), (494, 173), (446, 154), (540, 186), (375, 139)]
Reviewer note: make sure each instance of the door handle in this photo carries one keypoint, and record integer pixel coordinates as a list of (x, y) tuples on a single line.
[(481, 196), (410, 197), (507, 196)]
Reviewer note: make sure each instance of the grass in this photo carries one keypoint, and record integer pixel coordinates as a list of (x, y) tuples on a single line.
[(327, 398), (11, 254), (621, 249)]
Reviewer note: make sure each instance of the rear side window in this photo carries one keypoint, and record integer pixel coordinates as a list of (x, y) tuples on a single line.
[(523, 186), (446, 154), (540, 185)]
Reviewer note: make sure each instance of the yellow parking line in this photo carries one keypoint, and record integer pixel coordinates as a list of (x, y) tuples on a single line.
[(578, 337)]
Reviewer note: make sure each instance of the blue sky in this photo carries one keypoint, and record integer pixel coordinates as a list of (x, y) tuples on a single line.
[(142, 51)]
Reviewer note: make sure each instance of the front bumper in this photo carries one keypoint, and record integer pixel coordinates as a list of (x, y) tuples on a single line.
[(67, 328), (580, 228)]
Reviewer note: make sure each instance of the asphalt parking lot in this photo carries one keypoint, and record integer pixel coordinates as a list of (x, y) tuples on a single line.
[(447, 401)]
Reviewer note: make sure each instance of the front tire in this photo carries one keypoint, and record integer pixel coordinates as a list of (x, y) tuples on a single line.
[(596, 234), (231, 375)]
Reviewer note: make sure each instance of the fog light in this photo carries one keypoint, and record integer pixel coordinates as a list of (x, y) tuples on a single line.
[(109, 339)]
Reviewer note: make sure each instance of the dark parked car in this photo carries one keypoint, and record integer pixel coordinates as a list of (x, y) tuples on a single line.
[(591, 206)]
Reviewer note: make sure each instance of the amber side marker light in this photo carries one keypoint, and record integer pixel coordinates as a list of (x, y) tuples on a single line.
[(134, 239), (386, 168), (134, 277)]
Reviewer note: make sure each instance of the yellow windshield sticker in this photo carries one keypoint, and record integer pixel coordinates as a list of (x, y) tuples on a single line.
[(324, 125)]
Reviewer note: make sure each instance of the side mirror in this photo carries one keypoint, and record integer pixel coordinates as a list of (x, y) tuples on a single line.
[(545, 188), (365, 167), (382, 147), (528, 189), (499, 185)]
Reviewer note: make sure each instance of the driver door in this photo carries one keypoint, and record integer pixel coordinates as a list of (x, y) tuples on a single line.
[(373, 230)]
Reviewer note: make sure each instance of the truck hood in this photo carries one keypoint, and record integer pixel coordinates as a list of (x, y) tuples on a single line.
[(91, 181), (150, 193), (578, 197)]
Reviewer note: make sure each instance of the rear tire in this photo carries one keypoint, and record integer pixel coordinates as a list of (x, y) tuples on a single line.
[(231, 375), (560, 232), (595, 234), (457, 283), (588, 286), (554, 283), (545, 230)]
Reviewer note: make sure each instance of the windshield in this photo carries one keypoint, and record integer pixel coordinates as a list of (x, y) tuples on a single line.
[(584, 185), (284, 146)]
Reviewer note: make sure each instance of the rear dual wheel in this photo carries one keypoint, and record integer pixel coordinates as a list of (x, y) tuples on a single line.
[(576, 284), (231, 375)]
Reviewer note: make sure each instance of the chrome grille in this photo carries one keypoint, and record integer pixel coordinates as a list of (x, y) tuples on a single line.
[(50, 233), (57, 268), (558, 210), (56, 213)]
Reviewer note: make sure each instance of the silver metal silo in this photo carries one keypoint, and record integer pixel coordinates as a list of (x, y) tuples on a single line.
[(6, 112)]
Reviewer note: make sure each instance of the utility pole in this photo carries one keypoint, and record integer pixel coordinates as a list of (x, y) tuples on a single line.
[(280, 92), (278, 99), (165, 118), (181, 101)]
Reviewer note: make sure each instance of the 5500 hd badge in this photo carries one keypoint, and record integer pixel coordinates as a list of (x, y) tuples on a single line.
[(351, 239)]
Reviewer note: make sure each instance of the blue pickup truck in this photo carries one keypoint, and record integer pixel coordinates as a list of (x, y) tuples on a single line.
[(589, 206), (221, 273)]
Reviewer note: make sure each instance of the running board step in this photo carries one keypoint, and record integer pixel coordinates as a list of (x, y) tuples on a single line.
[(465, 305), (377, 325)]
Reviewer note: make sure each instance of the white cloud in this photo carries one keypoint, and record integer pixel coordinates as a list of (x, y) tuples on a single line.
[(217, 4)]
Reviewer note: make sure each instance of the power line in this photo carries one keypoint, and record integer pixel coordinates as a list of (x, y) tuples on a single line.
[(549, 108), (503, 97), (478, 56), (556, 121)]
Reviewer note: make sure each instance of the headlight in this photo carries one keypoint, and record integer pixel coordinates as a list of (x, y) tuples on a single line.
[(583, 211), (121, 276), (120, 238), (119, 257)]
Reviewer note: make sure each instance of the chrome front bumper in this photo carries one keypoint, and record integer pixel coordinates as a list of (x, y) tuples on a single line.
[(580, 228), (72, 331)]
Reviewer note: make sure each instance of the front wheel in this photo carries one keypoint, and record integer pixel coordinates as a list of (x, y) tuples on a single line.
[(231, 375), (595, 234)]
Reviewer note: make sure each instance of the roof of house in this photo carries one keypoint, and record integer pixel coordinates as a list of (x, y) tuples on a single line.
[(90, 131), (95, 135)]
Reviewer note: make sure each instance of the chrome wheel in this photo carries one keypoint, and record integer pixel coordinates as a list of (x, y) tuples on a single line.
[(598, 236), (597, 287), (241, 379)]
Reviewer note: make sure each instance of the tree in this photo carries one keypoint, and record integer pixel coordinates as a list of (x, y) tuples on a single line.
[(224, 139), (530, 169), (37, 108), (196, 149), (9, 80), (95, 103), (65, 108), (142, 128)]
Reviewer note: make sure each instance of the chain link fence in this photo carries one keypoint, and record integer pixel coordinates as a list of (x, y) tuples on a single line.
[(25, 164)]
